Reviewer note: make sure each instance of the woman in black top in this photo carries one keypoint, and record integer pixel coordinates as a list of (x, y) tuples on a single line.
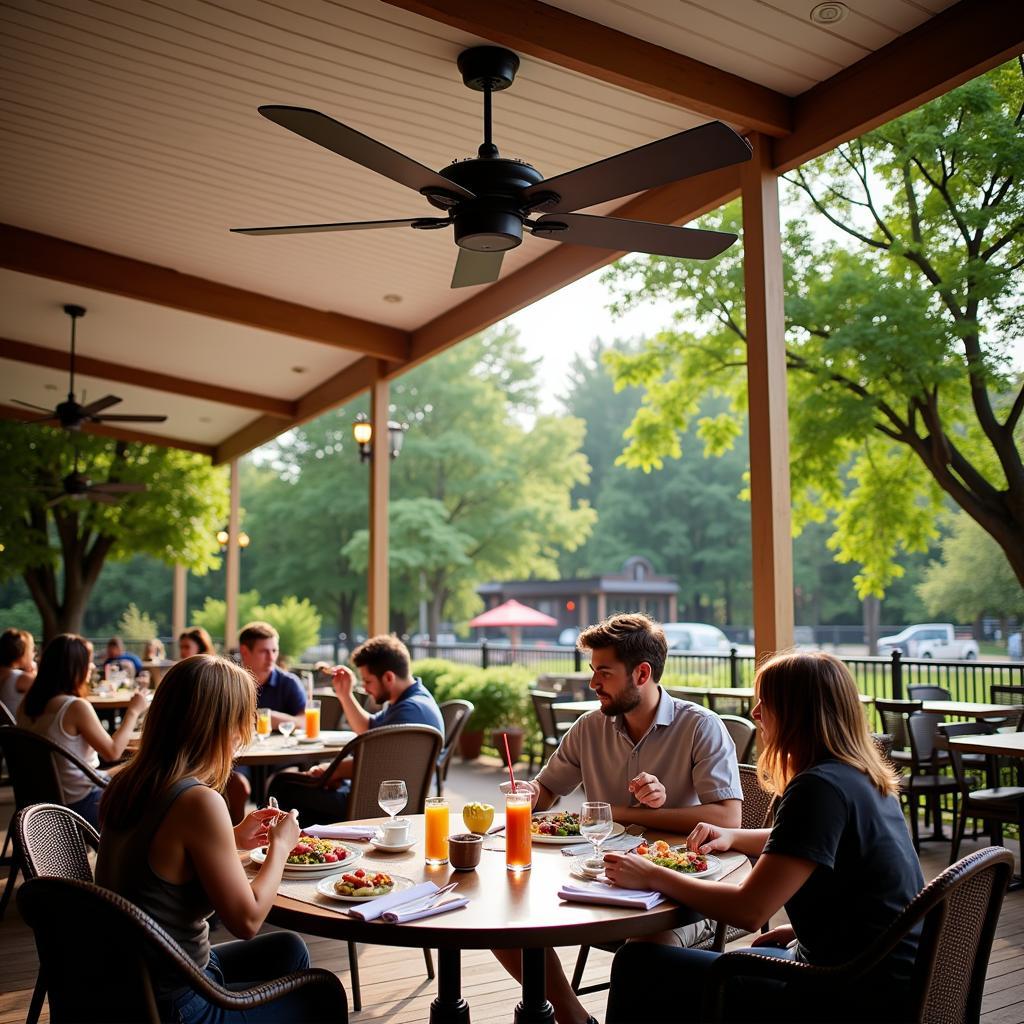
[(838, 857)]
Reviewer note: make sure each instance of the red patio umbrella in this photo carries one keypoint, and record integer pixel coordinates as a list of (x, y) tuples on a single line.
[(513, 616)]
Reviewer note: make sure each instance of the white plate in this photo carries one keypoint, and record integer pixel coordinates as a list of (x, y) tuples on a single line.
[(379, 844), (259, 855), (617, 830), (326, 888)]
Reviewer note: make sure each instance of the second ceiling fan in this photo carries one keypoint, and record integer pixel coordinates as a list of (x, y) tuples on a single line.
[(489, 200)]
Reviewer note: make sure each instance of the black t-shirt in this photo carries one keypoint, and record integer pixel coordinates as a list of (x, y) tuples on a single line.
[(866, 868)]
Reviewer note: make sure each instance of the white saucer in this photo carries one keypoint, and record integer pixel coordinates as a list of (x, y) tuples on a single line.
[(379, 844)]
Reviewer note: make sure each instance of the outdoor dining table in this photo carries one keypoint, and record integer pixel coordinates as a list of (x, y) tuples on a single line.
[(966, 709), (506, 911), (111, 702), (999, 744)]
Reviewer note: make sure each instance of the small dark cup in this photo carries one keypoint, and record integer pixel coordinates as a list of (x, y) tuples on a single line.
[(464, 851)]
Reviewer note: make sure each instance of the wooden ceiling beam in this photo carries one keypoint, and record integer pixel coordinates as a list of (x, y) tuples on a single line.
[(12, 412), (951, 48), (569, 41), (38, 355), (57, 259)]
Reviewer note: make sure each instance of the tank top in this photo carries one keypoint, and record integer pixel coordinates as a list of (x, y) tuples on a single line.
[(123, 867), (50, 724), (9, 695)]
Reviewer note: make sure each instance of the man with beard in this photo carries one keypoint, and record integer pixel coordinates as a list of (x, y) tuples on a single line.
[(661, 763)]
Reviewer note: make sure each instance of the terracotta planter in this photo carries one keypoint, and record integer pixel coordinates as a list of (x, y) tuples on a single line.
[(470, 744), (516, 739)]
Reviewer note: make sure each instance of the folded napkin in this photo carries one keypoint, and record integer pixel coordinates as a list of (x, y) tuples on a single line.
[(341, 831), (375, 908), (612, 895), (400, 916), (618, 844)]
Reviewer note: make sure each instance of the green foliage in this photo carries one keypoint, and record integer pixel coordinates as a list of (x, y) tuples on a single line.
[(23, 615), (500, 696), (136, 625), (213, 614), (972, 578), (430, 671), (297, 624), (899, 337)]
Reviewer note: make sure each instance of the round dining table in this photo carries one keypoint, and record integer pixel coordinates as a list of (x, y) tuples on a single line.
[(505, 911)]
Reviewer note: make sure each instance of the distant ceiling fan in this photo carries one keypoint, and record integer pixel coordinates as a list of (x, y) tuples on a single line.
[(77, 486), (70, 414), (489, 199)]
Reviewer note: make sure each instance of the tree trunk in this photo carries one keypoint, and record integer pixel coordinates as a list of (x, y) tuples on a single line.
[(872, 617)]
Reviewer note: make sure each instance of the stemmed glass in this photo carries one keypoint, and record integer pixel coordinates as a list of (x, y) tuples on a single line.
[(596, 825), (392, 796), (286, 728)]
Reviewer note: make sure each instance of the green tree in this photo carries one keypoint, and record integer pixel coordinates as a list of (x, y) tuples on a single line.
[(213, 615), (59, 547), (900, 329), (136, 625)]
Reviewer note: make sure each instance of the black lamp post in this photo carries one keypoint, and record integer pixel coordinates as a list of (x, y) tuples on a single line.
[(362, 431)]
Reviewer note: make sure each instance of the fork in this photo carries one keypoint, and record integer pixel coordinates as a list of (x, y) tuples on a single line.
[(425, 902)]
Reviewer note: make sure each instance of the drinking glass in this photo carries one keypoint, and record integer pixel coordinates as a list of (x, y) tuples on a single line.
[(518, 834), (392, 796), (286, 728), (436, 828), (596, 824), (262, 723), (312, 719)]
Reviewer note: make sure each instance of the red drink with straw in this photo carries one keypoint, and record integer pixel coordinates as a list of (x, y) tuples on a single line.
[(518, 813)]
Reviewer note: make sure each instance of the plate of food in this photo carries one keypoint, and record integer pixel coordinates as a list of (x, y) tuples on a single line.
[(557, 828), (312, 856), (361, 885), (679, 858)]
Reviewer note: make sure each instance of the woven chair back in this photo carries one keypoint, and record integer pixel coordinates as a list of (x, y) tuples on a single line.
[(743, 732), (55, 842), (392, 751), (757, 802)]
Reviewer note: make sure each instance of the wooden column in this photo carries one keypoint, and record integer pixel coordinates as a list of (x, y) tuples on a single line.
[(602, 605), (378, 612), (673, 608), (769, 422), (179, 609), (232, 573)]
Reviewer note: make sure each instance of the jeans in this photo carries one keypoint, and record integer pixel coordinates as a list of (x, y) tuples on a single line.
[(239, 965), (89, 807)]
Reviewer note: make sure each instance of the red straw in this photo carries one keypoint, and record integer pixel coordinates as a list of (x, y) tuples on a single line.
[(508, 761)]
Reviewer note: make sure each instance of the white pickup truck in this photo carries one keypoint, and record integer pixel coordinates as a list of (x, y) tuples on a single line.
[(930, 640)]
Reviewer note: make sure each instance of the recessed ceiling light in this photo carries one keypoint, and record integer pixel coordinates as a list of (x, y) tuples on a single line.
[(829, 14), (392, 297), (205, 419), (298, 369), (49, 387)]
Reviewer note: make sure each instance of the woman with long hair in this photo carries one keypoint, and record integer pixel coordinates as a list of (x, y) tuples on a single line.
[(167, 845), (55, 707), (838, 858), (195, 641)]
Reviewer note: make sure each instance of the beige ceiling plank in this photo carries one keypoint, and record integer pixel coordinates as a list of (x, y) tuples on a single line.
[(12, 412), (671, 204), (37, 355), (61, 260), (331, 393), (608, 55), (951, 48)]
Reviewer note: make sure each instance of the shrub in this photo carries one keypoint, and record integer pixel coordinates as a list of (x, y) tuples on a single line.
[(136, 625), (430, 670), (297, 624), (214, 613)]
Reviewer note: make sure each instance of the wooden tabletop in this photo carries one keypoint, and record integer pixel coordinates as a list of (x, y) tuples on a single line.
[(505, 910), (1007, 744), (968, 709), (276, 750), (113, 702)]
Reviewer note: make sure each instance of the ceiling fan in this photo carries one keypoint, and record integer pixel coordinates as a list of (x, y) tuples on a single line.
[(70, 414), (77, 486), (490, 199)]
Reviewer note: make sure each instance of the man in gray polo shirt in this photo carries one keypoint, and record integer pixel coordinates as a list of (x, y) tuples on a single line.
[(661, 763)]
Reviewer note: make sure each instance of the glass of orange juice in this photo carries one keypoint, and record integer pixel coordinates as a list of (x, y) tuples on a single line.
[(518, 837), (312, 719), (436, 828), (262, 723)]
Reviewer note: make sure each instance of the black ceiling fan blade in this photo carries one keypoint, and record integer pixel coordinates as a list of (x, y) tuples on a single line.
[(476, 268), (103, 499), (359, 225), (39, 408), (117, 487), (99, 405), (360, 148), (128, 418), (705, 148), (633, 236)]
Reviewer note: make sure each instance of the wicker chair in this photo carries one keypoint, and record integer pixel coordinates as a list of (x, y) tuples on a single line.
[(115, 984), (894, 715), (743, 733), (551, 729), (330, 711), (959, 911), (6, 715), (923, 692), (924, 778), (32, 762), (1013, 696), (455, 714)]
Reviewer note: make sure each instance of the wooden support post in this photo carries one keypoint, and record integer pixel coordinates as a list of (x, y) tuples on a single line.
[(378, 612), (232, 573), (179, 603), (769, 422)]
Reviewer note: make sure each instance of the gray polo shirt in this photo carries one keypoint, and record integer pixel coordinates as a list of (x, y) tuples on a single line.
[(686, 747)]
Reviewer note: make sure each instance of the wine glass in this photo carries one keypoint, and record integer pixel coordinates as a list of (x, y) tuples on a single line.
[(392, 796), (596, 825), (286, 728)]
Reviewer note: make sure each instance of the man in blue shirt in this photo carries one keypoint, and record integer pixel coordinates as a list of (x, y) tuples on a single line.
[(117, 655), (383, 664)]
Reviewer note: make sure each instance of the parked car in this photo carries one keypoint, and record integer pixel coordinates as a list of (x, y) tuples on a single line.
[(930, 640), (700, 638), (567, 638)]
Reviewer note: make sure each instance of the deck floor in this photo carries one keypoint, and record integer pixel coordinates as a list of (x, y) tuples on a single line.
[(395, 988)]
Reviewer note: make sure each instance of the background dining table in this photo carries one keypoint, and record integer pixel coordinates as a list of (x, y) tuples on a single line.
[(506, 911)]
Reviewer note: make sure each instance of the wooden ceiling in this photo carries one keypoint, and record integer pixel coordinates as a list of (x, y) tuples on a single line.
[(131, 143)]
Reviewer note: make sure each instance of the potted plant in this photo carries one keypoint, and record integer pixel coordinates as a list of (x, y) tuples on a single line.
[(513, 712)]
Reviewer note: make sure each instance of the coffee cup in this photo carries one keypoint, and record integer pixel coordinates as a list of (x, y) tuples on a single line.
[(395, 833), (464, 851)]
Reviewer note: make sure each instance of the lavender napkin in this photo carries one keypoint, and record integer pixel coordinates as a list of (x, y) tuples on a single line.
[(398, 916), (375, 908), (611, 895), (341, 831)]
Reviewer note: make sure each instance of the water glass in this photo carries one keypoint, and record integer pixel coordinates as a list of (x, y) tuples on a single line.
[(286, 728), (392, 796), (596, 824)]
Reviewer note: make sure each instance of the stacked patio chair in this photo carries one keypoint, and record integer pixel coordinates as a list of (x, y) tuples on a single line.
[(957, 912), (455, 714)]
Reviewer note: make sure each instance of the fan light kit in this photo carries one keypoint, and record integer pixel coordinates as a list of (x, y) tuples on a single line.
[(489, 199)]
